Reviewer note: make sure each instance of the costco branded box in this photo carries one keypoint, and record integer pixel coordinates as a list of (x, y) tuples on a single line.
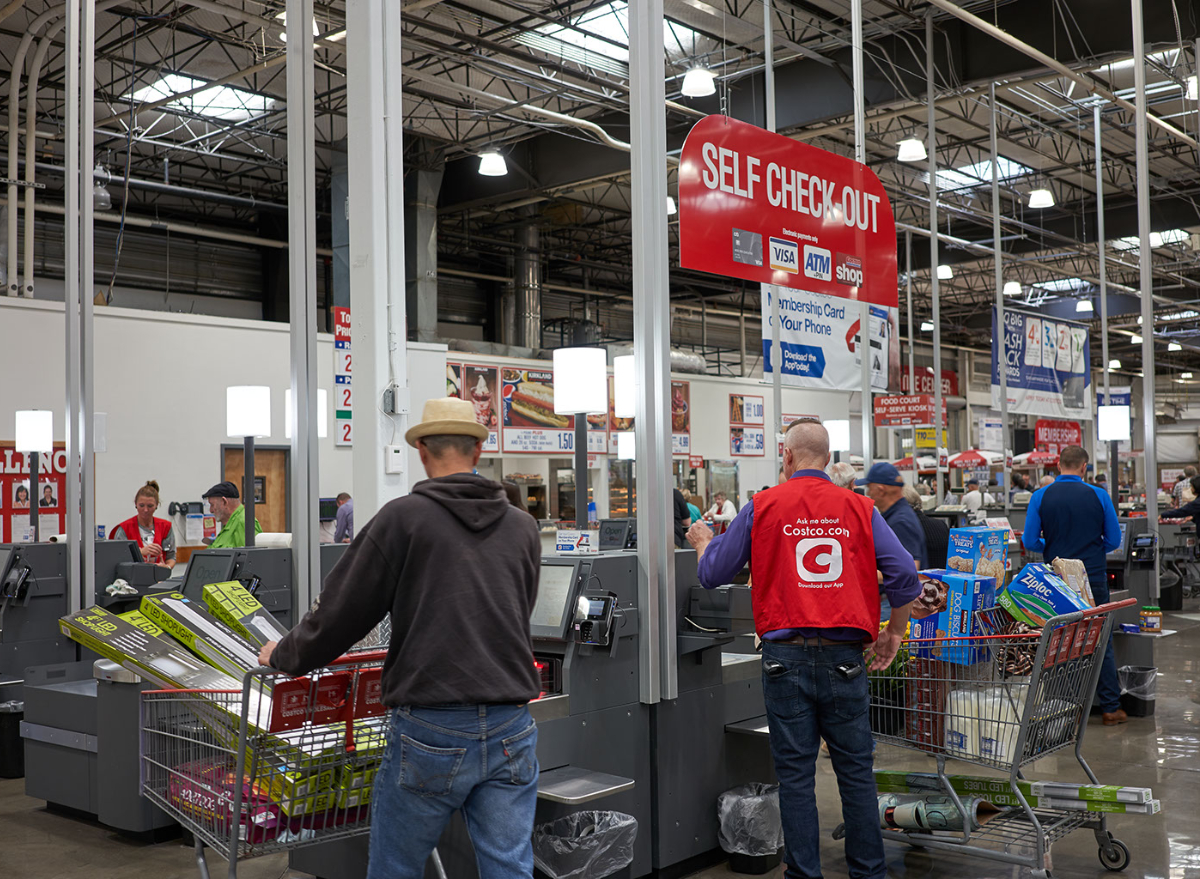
[(948, 608), (982, 551)]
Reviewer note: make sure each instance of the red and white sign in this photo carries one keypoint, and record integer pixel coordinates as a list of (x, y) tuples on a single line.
[(766, 208), (924, 379), (695, 462), (1054, 436), (905, 411), (343, 433)]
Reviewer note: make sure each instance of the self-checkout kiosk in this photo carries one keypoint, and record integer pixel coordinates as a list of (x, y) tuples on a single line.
[(265, 571), (33, 595), (1130, 569)]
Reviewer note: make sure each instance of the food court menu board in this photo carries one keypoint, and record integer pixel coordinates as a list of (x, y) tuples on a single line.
[(18, 497), (681, 418), (480, 385), (615, 425), (746, 429), (527, 415)]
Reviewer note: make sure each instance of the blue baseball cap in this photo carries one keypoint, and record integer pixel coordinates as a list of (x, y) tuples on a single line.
[(882, 473)]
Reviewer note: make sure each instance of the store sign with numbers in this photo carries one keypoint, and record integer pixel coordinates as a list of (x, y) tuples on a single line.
[(747, 431), (1048, 365), (343, 424)]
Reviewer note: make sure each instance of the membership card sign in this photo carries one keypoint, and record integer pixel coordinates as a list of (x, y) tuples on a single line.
[(1047, 363), (762, 207)]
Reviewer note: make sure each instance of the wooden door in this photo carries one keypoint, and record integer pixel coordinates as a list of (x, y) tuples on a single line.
[(272, 466)]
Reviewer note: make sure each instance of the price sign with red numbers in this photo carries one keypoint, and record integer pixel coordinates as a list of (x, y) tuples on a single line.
[(342, 367)]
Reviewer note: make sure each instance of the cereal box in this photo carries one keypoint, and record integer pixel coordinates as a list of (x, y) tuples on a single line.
[(981, 550)]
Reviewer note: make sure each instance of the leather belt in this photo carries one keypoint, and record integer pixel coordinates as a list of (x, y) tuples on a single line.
[(816, 641)]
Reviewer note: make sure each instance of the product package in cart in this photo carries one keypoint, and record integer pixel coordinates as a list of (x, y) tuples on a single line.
[(1037, 594), (982, 551), (947, 611)]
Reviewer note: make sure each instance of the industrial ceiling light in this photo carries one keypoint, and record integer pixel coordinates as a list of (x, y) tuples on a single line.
[(101, 197), (927, 327), (492, 164), (1185, 375), (670, 206), (1012, 288), (1191, 89), (1135, 339), (1041, 198), (699, 82), (911, 150), (1084, 305), (1114, 364), (1174, 346), (945, 273)]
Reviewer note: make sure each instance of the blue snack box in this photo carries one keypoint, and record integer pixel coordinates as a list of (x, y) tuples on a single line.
[(981, 550), (956, 600)]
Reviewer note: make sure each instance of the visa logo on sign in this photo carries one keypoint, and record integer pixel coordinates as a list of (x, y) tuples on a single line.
[(818, 263), (785, 255)]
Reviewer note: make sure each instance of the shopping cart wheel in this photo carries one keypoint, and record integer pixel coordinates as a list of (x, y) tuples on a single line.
[(1119, 859)]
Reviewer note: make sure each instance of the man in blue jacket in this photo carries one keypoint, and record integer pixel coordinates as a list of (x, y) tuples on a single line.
[(1070, 519)]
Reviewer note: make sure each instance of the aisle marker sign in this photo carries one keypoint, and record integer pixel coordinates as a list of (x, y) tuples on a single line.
[(343, 424)]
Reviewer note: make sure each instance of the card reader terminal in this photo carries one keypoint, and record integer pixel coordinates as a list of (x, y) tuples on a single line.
[(594, 619)]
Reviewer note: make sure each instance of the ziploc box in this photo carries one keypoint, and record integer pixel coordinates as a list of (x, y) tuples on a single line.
[(233, 605), (952, 601), (1037, 594), (982, 551)]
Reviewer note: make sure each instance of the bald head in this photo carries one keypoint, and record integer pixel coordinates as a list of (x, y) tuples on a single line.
[(805, 447)]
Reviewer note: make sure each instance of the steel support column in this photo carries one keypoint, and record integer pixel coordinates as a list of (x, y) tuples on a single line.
[(651, 348), (374, 124), (769, 289), (933, 257), (860, 156), (71, 233), (1101, 250), (424, 221), (1147, 277), (1001, 332)]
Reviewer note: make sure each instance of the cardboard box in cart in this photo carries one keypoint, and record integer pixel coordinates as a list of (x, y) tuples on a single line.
[(982, 551), (949, 609)]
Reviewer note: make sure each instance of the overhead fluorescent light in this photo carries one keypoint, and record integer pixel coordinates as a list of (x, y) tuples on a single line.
[(1041, 198), (1012, 288), (911, 150), (1136, 339), (945, 273), (1084, 305), (1114, 364), (1185, 374), (670, 206), (492, 164), (927, 327), (699, 82), (1192, 94), (1174, 346)]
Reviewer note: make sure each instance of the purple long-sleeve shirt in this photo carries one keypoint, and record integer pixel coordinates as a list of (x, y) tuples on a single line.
[(729, 552)]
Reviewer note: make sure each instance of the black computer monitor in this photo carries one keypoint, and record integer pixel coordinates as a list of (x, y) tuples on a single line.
[(327, 508), (557, 586), (204, 567), (1118, 554), (614, 534), (6, 554)]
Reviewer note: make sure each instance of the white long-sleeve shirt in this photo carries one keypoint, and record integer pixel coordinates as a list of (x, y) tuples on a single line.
[(725, 514)]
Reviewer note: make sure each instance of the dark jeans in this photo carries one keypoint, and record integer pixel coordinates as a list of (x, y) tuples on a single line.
[(478, 758), (807, 700), (1108, 691)]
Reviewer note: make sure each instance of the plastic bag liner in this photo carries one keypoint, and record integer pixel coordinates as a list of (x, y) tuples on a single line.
[(586, 845), (1138, 680), (749, 820)]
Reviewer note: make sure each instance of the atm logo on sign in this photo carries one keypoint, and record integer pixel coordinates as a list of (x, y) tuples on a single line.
[(818, 263), (785, 255)]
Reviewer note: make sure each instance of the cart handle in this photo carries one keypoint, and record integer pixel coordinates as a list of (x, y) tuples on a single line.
[(264, 670), (1053, 622)]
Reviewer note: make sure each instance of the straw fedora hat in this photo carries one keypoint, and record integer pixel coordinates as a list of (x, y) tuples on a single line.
[(446, 416)]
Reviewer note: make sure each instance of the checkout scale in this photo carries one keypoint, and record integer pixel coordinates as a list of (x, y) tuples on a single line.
[(82, 717)]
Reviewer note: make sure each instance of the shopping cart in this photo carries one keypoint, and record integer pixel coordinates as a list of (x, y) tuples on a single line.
[(282, 763), (1002, 699)]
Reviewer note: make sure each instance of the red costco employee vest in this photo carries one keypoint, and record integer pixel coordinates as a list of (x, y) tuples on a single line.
[(130, 526), (812, 558)]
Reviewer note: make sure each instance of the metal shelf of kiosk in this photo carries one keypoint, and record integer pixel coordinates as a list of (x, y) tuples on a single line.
[(559, 585), (572, 785), (755, 726)]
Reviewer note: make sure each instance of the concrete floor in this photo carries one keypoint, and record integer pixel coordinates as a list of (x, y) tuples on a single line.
[(1162, 752)]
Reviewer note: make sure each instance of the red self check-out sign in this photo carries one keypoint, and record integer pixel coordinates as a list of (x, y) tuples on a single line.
[(766, 208)]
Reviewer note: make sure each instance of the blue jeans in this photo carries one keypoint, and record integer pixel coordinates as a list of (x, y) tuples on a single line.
[(1108, 690), (807, 700), (478, 758)]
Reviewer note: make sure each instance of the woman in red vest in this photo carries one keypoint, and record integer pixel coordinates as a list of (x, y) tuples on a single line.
[(154, 536)]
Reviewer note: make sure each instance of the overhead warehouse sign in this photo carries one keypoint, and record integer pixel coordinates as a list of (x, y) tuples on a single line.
[(766, 208), (1048, 363)]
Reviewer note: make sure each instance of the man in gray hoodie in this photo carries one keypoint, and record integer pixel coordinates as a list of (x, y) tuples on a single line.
[(456, 566)]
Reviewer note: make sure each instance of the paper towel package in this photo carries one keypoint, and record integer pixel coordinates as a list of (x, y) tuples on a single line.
[(1037, 594)]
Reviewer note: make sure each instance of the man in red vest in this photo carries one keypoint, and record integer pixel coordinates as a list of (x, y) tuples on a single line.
[(814, 551)]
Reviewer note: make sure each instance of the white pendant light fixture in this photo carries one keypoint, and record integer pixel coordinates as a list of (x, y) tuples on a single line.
[(33, 430), (927, 327), (101, 197), (839, 434), (699, 82), (1174, 346), (1084, 305), (1041, 198), (911, 150), (1135, 339), (492, 164), (248, 411), (580, 381), (671, 207), (626, 445), (945, 273), (1012, 288), (1114, 364)]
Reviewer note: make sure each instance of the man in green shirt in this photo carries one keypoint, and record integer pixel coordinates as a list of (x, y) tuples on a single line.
[(225, 503)]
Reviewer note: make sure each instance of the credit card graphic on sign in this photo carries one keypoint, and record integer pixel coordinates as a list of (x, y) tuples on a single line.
[(785, 255)]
